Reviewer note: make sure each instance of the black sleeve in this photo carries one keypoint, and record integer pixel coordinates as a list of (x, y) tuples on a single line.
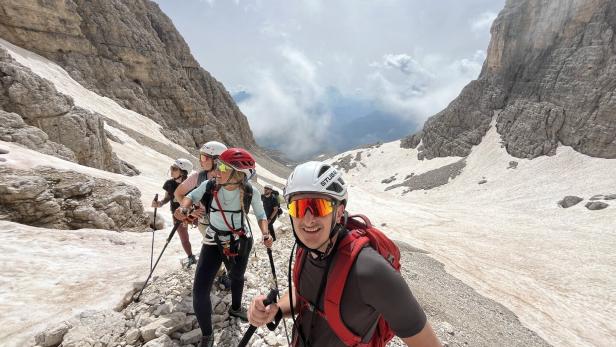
[(168, 187), (383, 288)]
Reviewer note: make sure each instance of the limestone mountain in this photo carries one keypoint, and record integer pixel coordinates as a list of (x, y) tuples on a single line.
[(549, 78), (130, 51)]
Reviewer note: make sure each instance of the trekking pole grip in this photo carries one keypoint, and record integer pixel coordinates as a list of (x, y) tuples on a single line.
[(272, 296)]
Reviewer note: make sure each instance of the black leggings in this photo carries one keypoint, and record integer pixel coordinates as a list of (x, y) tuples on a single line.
[(209, 263)]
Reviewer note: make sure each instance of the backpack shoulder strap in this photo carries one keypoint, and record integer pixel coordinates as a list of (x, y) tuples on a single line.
[(206, 200), (202, 177), (297, 268), (247, 196), (346, 254)]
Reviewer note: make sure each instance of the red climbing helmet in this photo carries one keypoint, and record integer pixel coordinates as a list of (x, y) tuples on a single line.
[(240, 160)]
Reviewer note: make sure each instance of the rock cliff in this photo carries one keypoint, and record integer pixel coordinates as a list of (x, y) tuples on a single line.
[(549, 78), (130, 52)]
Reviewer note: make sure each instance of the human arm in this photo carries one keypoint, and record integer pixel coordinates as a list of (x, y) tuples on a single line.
[(259, 315), (186, 186), (189, 200), (267, 238), (162, 202), (259, 211), (406, 318), (425, 338)]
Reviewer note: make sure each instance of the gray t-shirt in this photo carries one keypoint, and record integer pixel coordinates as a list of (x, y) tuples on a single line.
[(372, 288)]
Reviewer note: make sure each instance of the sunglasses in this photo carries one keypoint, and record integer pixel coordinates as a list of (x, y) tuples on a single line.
[(222, 167), (319, 207), (207, 156)]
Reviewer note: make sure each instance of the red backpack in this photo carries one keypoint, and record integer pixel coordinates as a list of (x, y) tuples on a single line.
[(361, 233)]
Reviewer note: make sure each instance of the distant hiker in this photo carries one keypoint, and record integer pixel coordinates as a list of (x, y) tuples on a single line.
[(347, 288), (179, 171), (208, 154), (271, 206), (228, 239)]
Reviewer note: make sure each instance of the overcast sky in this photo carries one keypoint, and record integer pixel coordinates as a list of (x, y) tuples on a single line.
[(298, 60)]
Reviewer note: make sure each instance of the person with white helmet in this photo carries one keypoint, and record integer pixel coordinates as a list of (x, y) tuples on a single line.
[(345, 292), (179, 171), (208, 153)]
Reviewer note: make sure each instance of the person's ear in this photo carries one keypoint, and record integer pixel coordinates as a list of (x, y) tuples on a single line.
[(339, 213)]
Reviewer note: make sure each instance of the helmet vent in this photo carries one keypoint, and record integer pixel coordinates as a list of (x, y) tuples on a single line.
[(323, 169), (335, 187)]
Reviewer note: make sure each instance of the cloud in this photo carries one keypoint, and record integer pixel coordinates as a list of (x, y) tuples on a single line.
[(483, 22), (292, 109), (404, 63), (419, 89), (286, 109)]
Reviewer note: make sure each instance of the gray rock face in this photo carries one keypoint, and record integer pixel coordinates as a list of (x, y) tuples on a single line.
[(14, 129), (40, 118), (569, 201), (59, 199), (431, 179), (129, 51), (550, 69)]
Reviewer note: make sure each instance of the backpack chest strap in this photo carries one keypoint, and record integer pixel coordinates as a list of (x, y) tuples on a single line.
[(238, 232)]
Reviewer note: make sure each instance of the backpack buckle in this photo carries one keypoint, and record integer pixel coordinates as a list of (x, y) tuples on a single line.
[(391, 258)]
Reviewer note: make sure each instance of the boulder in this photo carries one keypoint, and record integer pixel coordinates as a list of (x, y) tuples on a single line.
[(62, 199), (569, 201), (52, 336), (161, 341), (596, 205)]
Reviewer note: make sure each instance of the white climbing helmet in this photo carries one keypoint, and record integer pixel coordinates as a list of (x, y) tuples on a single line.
[(183, 164), (316, 177), (213, 148)]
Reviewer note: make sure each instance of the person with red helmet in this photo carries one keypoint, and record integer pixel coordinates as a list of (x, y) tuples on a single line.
[(228, 238)]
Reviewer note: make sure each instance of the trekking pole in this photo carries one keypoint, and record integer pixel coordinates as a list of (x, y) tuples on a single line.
[(272, 297), (175, 227), (272, 325), (153, 231), (271, 260)]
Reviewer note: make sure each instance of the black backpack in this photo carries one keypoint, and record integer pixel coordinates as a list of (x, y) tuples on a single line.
[(276, 195)]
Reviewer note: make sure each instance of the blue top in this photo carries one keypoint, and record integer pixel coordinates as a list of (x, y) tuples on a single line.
[(230, 201)]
